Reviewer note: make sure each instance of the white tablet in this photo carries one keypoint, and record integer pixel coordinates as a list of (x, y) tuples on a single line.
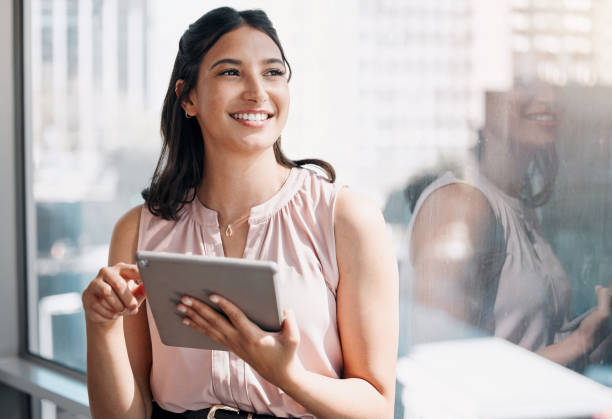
[(250, 284)]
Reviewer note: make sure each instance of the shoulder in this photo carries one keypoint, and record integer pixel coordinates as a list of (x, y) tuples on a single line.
[(355, 211), (356, 214), (124, 240), (364, 251), (465, 200), (314, 194), (452, 211), (128, 224), (315, 183)]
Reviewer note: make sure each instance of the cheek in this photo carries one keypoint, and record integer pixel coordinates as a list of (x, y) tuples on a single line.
[(211, 97), (282, 103)]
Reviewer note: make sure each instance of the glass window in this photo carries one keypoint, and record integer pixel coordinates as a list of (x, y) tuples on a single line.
[(396, 95)]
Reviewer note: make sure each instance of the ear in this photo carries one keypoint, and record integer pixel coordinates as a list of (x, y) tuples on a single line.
[(188, 103)]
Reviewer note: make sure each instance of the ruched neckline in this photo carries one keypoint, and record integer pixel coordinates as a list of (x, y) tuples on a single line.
[(259, 213)]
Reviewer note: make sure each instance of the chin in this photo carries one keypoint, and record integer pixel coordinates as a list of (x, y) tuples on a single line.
[(538, 143), (255, 144), (542, 137)]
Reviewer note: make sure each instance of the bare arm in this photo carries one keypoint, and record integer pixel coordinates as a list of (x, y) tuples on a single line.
[(118, 346), (454, 251), (592, 332), (455, 257), (367, 310)]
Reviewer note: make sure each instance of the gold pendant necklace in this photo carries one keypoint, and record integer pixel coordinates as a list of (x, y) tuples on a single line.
[(229, 231)]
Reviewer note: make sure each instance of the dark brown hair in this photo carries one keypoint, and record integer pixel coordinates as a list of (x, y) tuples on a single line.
[(181, 162)]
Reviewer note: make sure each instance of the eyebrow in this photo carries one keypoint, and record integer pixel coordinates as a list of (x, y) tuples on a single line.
[(238, 62)]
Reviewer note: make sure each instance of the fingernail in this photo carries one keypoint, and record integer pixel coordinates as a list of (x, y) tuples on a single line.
[(214, 299), (115, 316), (187, 301), (181, 308), (186, 321)]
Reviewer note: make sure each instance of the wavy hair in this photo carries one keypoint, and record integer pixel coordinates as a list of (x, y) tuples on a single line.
[(180, 166)]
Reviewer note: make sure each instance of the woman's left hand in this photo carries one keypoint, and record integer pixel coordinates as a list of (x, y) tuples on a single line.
[(272, 355)]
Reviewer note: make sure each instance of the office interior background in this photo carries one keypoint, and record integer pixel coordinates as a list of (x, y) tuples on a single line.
[(385, 90)]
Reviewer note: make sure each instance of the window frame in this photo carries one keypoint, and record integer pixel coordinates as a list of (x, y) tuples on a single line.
[(19, 368)]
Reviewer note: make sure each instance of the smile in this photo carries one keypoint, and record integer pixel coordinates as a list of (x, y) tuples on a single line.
[(258, 116), (541, 117)]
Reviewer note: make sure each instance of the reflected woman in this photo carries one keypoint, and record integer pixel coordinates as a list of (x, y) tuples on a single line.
[(474, 241), (223, 187)]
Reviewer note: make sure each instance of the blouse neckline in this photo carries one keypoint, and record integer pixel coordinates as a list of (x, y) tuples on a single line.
[(259, 213)]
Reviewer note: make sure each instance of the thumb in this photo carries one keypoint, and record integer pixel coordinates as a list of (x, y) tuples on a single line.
[(290, 331), (138, 291)]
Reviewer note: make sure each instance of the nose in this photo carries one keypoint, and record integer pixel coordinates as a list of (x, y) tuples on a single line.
[(254, 89), (545, 95)]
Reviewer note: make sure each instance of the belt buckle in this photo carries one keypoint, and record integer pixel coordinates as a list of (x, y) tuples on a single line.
[(216, 407)]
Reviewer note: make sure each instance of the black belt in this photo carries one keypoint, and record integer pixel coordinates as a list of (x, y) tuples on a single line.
[(218, 411)]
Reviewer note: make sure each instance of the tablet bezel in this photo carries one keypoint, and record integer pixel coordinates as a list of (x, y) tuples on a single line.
[(250, 284)]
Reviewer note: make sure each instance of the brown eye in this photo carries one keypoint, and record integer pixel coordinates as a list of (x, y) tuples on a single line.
[(229, 72), (274, 72)]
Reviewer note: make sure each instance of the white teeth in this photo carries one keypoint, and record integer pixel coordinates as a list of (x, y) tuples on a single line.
[(250, 116), (543, 118)]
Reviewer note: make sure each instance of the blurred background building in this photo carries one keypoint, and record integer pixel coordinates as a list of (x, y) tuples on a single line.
[(383, 89)]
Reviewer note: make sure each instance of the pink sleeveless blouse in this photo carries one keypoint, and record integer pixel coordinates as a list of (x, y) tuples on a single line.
[(295, 229)]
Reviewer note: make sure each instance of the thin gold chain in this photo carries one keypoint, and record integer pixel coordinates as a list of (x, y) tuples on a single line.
[(228, 227)]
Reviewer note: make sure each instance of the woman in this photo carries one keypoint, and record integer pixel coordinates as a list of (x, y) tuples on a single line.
[(475, 246), (223, 187)]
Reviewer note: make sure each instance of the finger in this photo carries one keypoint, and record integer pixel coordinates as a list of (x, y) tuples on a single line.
[(106, 305), (105, 291), (238, 319), (290, 331), (128, 271), (139, 293), (201, 325), (193, 306), (603, 299), (104, 312), (111, 276)]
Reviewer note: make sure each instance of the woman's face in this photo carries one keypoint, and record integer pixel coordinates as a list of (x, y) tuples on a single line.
[(527, 115), (241, 99)]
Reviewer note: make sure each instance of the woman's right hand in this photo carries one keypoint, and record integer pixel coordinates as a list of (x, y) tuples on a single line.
[(594, 328), (116, 291)]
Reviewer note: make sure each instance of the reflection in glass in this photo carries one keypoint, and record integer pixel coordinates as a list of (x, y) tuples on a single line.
[(476, 244)]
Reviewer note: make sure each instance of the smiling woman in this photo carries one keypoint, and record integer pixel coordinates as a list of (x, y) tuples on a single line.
[(211, 82), (223, 188), (232, 95), (505, 279)]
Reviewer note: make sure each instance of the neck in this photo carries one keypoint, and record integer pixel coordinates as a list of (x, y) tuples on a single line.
[(505, 166), (232, 185)]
